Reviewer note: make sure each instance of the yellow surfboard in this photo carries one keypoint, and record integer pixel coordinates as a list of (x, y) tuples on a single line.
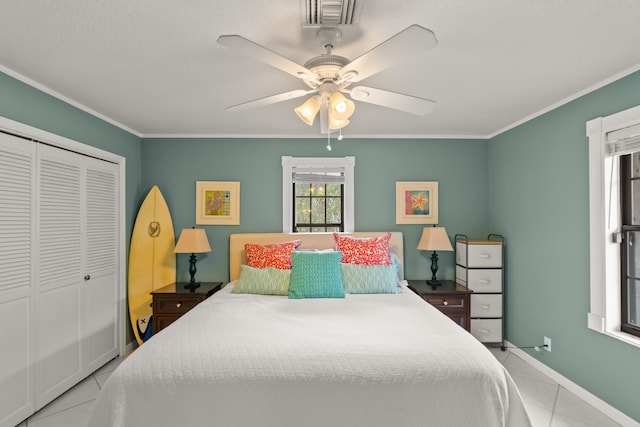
[(152, 263)]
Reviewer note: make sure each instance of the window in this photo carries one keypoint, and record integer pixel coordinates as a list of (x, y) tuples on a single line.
[(630, 255), (317, 194), (614, 143), (318, 202)]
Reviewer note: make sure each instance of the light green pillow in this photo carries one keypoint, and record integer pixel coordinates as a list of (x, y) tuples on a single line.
[(263, 281), (369, 279), (316, 275)]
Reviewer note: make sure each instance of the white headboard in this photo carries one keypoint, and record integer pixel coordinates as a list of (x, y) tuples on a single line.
[(309, 241)]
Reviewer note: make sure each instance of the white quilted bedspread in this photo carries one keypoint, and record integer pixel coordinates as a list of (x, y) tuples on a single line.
[(267, 361)]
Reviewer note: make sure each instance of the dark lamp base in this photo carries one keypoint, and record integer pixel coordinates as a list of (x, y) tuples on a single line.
[(434, 283), (192, 286)]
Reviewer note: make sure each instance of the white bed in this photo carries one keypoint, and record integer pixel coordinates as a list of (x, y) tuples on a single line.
[(365, 360)]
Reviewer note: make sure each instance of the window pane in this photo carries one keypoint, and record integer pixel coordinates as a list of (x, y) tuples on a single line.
[(302, 189), (635, 202), (317, 211), (318, 229), (633, 301), (633, 254), (334, 189), (303, 229), (302, 210), (333, 210), (317, 189), (635, 165)]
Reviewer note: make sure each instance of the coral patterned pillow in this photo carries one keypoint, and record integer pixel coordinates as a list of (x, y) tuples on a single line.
[(364, 250), (277, 255)]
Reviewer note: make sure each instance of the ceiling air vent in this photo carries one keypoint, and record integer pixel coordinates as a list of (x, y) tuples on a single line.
[(331, 12)]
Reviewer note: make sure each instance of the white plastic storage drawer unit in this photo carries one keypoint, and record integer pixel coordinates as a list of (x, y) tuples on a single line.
[(487, 330), (486, 305), (479, 266), (480, 280), (479, 254)]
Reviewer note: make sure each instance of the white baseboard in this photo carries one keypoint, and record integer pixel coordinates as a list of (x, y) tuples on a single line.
[(590, 398)]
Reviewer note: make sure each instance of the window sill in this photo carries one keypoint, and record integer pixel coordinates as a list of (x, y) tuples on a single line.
[(624, 337)]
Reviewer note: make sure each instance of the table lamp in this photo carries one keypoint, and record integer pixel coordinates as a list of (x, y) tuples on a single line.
[(434, 239), (193, 241)]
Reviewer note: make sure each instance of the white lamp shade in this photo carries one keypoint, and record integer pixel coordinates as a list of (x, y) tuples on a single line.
[(434, 239), (340, 108), (337, 124), (307, 111), (192, 240)]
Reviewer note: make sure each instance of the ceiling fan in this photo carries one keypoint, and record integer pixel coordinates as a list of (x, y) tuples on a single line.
[(329, 76)]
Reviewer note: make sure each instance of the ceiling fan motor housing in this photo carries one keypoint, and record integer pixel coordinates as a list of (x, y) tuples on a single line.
[(326, 67)]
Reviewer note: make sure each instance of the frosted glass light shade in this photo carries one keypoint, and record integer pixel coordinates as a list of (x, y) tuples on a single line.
[(337, 124), (340, 108), (307, 111)]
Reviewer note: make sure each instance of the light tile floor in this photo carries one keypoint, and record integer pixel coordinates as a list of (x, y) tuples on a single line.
[(548, 404)]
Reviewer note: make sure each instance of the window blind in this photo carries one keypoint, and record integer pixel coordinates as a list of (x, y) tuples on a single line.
[(623, 141), (318, 175)]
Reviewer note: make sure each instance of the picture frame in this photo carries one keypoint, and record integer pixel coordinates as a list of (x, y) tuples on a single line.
[(416, 202), (217, 203)]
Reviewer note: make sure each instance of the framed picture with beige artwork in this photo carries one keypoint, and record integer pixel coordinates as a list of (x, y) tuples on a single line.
[(217, 202), (416, 202)]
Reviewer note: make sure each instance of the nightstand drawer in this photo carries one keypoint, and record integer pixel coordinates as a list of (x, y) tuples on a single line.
[(175, 299), (446, 301), (449, 297), (176, 304), (162, 321)]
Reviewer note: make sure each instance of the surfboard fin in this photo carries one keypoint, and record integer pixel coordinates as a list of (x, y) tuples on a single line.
[(144, 325)]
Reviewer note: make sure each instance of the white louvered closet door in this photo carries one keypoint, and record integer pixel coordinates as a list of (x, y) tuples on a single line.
[(100, 269), (60, 273), (17, 229)]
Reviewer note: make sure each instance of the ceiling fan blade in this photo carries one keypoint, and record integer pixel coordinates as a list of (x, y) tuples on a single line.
[(407, 43), (394, 100), (270, 99), (265, 55)]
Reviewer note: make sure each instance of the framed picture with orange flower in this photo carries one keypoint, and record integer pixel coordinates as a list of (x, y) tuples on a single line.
[(217, 202), (417, 202)]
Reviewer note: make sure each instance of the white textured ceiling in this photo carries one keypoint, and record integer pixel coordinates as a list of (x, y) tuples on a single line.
[(153, 66)]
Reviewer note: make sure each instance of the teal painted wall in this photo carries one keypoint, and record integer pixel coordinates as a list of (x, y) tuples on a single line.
[(458, 165), (529, 184), (539, 199), (25, 104)]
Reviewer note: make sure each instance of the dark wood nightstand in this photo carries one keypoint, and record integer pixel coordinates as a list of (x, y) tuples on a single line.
[(172, 301), (450, 298)]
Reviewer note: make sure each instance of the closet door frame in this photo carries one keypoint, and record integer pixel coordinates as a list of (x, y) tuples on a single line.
[(26, 131)]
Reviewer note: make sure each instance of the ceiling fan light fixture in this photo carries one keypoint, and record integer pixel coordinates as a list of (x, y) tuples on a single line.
[(340, 107), (335, 124), (308, 111)]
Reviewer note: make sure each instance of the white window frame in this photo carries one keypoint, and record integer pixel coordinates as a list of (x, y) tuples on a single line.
[(605, 226), (288, 163)]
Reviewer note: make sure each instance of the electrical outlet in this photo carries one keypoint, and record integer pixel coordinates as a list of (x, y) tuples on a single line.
[(547, 343)]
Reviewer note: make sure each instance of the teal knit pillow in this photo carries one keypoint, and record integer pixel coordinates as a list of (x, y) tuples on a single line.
[(263, 281), (369, 279), (316, 275)]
